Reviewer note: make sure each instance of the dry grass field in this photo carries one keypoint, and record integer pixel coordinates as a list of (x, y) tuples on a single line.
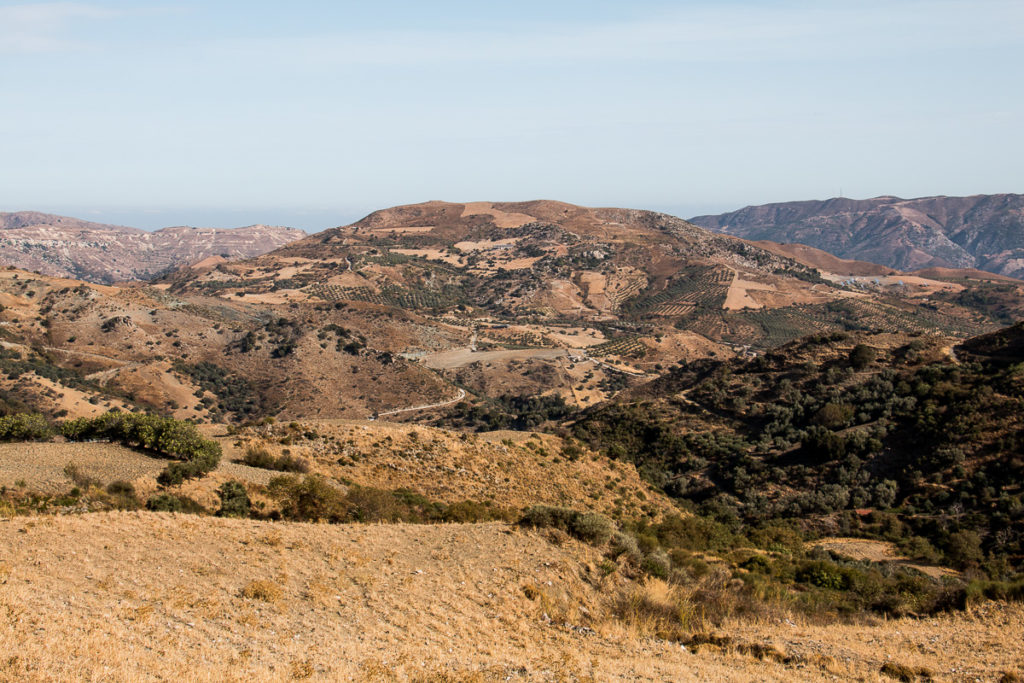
[(148, 597), (511, 469)]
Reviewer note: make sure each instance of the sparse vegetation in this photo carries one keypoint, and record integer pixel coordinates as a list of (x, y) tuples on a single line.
[(312, 498), (258, 456)]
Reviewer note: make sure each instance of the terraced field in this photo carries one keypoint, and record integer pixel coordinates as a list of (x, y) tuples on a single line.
[(693, 287), (629, 347), (389, 296)]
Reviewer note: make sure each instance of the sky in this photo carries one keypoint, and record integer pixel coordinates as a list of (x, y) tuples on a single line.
[(314, 113)]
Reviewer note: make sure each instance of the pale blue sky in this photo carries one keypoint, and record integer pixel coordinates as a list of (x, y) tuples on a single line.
[(313, 113)]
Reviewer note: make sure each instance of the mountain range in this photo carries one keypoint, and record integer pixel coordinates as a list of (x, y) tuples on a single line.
[(982, 231), (69, 247)]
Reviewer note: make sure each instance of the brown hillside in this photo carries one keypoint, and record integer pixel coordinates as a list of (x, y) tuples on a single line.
[(822, 260), (982, 231), (177, 597)]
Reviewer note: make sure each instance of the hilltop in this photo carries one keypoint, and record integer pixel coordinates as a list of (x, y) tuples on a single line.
[(61, 246), (982, 231)]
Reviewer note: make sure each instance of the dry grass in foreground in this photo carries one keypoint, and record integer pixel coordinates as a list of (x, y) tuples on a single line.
[(143, 596)]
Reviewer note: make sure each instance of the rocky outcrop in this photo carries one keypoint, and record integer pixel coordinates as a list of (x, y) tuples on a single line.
[(981, 231), (68, 247)]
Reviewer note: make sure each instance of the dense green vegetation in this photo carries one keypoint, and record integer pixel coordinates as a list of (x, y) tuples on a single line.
[(257, 456), (14, 364), (196, 454), (25, 427), (760, 570), (905, 445), (521, 413)]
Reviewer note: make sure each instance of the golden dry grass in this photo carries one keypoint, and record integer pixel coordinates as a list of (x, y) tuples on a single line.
[(141, 596), (512, 469)]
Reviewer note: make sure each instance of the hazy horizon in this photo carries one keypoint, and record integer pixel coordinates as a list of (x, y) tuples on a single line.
[(317, 220)]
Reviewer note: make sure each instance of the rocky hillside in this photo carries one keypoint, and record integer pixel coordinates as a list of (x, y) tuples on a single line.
[(486, 316), (69, 247), (982, 231), (635, 273)]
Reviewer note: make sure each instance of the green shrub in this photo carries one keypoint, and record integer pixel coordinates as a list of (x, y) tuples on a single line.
[(258, 456), (756, 563), (589, 527), (308, 499), (469, 511), (624, 545), (861, 356), (234, 500), (657, 564), (164, 502), (24, 427), (1010, 591), (120, 488), (822, 575), (692, 533), (163, 435)]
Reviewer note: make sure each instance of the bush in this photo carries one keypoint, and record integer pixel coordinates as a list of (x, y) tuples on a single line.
[(120, 488), (234, 500), (624, 545), (469, 511), (164, 435), (257, 456), (964, 548), (308, 499), (24, 427), (657, 564), (589, 527), (861, 356), (693, 533), (823, 575), (165, 502)]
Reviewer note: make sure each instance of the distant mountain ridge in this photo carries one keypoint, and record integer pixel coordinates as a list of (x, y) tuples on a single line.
[(981, 231), (62, 246)]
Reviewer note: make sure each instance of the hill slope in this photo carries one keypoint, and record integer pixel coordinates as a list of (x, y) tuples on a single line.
[(830, 428), (981, 231), (505, 315), (173, 596), (69, 247)]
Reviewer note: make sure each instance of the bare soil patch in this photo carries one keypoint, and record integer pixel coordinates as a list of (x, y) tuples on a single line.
[(458, 358), (502, 219), (877, 551)]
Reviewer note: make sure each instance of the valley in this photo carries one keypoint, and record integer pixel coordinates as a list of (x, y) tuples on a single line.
[(609, 443)]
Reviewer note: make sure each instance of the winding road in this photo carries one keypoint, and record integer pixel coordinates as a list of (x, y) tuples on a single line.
[(462, 395)]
